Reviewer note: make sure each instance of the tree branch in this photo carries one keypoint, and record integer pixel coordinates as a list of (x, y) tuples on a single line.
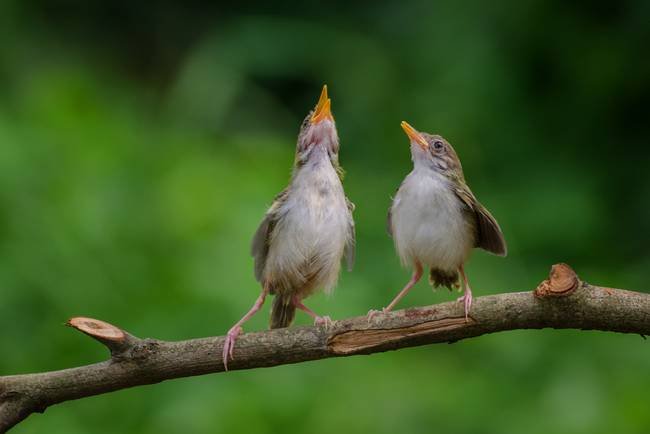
[(561, 302)]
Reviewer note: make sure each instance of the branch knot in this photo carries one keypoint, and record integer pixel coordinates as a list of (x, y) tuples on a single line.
[(562, 281)]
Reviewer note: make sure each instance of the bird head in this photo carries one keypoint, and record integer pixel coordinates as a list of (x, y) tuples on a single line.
[(318, 134), (432, 151)]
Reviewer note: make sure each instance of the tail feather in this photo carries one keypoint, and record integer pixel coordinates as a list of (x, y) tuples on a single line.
[(282, 312), (443, 278)]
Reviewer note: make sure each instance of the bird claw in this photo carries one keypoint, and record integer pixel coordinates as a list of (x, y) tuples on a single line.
[(229, 345), (373, 312), (324, 321)]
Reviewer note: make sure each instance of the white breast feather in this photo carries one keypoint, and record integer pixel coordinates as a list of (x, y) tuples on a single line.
[(428, 224), (313, 230)]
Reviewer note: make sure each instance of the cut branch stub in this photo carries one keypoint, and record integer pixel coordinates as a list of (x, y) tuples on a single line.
[(116, 339), (562, 281)]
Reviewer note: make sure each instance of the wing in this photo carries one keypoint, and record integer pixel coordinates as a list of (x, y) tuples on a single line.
[(262, 237), (350, 245), (489, 236)]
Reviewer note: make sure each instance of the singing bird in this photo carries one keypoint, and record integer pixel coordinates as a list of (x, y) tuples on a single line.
[(298, 247), (435, 219)]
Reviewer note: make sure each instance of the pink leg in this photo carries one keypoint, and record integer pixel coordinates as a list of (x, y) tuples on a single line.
[(318, 320), (417, 274), (231, 337), (467, 296)]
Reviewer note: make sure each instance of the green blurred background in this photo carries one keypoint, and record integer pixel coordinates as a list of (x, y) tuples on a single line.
[(140, 145)]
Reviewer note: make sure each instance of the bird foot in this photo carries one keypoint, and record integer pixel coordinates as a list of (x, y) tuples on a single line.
[(374, 312), (229, 344), (467, 303), (324, 321)]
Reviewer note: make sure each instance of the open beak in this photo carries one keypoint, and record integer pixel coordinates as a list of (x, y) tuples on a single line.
[(322, 110), (414, 135)]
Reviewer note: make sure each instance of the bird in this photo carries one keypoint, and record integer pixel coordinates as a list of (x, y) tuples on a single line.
[(306, 232), (435, 220)]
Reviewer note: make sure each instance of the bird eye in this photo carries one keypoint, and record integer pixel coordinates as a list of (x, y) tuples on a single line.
[(438, 145)]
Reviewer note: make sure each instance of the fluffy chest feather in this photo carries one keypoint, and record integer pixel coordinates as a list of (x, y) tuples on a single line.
[(310, 237), (429, 223), (316, 207)]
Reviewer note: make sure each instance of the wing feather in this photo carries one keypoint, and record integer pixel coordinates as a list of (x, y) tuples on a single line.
[(489, 236), (262, 237)]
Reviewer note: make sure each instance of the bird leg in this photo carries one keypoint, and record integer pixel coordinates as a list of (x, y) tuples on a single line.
[(417, 274), (233, 333), (467, 292), (325, 321)]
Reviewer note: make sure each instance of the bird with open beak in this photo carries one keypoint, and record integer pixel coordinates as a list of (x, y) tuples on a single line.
[(299, 245), (435, 220)]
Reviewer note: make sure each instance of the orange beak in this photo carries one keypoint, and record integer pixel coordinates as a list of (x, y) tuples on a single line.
[(414, 135), (322, 110)]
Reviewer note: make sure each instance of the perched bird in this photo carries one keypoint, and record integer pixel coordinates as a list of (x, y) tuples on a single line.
[(298, 247), (435, 220)]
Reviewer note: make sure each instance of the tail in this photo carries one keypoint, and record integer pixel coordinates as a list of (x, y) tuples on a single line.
[(282, 312), (443, 278)]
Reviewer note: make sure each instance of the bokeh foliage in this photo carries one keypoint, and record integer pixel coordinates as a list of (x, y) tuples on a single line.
[(141, 143)]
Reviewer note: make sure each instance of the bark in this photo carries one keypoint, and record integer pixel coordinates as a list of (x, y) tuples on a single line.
[(560, 302)]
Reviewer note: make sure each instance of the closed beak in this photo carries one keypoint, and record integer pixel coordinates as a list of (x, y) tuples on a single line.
[(414, 135)]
